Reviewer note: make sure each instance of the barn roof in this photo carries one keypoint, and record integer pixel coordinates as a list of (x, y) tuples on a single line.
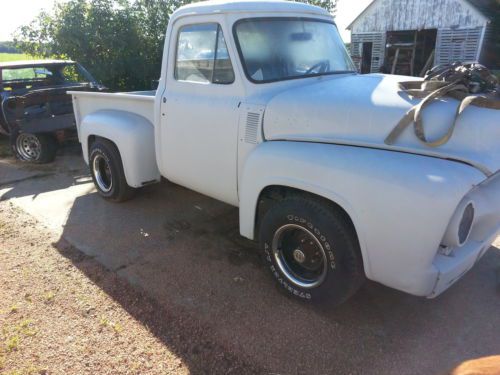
[(485, 7)]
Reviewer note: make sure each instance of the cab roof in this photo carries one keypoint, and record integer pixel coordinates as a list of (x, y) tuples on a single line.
[(28, 63), (250, 6)]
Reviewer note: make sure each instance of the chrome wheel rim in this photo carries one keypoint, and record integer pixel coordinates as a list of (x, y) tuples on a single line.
[(300, 256), (102, 173), (28, 146)]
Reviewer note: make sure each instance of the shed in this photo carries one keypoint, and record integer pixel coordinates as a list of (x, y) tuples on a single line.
[(410, 36)]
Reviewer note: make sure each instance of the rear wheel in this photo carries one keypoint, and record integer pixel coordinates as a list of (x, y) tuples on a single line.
[(312, 250), (37, 148), (107, 172)]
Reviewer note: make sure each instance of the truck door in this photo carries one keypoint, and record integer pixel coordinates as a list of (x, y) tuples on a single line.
[(200, 112)]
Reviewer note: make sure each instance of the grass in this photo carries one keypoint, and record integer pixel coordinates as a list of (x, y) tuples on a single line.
[(12, 343), (105, 322), (49, 297), (12, 337), (14, 57), (26, 328)]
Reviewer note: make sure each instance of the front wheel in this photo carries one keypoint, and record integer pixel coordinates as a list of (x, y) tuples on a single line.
[(312, 250), (107, 172), (36, 148)]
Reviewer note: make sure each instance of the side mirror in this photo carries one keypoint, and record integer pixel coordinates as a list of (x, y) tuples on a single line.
[(154, 84)]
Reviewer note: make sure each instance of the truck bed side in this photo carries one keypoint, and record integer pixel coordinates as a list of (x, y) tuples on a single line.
[(127, 120)]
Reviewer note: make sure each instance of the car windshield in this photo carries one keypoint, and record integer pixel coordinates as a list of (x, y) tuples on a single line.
[(275, 49)]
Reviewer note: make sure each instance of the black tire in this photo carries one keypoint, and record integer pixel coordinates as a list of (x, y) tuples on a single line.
[(107, 172), (304, 225), (36, 148)]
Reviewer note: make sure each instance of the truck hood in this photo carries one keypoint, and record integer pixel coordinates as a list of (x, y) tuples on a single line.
[(362, 110)]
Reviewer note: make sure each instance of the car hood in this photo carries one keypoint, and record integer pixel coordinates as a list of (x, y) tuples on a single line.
[(362, 110)]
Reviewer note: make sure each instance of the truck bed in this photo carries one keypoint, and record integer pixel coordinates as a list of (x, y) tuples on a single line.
[(137, 102)]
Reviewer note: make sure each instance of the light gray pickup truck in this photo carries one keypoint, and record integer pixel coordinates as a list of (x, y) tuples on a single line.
[(259, 106)]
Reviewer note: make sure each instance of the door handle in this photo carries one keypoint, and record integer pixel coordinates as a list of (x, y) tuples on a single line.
[(164, 100)]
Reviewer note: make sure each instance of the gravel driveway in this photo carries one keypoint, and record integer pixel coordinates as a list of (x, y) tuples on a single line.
[(183, 251)]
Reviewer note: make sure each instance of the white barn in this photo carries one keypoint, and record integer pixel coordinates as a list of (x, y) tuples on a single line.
[(409, 36)]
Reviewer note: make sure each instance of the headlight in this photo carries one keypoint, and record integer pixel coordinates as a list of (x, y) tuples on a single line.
[(460, 226), (466, 223)]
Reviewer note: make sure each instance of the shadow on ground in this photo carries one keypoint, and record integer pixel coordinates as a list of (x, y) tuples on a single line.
[(183, 250)]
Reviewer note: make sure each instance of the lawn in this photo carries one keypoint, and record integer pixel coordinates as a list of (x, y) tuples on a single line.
[(14, 57)]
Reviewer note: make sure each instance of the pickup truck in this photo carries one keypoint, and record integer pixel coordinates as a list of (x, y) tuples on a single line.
[(259, 106)]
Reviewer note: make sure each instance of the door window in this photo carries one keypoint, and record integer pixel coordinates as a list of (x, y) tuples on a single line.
[(202, 55)]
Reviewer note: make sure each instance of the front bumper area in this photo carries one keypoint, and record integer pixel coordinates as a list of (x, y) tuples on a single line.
[(452, 268), (485, 229)]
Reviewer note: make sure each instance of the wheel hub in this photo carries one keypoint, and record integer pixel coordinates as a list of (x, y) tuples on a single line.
[(300, 256), (28, 146), (102, 173)]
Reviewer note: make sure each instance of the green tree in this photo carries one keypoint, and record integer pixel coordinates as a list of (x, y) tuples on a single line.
[(119, 41), (329, 5)]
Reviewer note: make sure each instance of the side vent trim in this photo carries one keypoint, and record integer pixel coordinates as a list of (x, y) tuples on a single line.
[(252, 127)]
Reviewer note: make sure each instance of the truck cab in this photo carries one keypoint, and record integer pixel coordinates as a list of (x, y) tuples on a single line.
[(260, 106)]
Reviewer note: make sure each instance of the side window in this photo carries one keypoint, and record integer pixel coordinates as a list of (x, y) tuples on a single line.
[(202, 55), (18, 74), (71, 73), (223, 70)]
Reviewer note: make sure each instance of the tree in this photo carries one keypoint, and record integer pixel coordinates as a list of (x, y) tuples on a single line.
[(329, 5), (8, 47), (120, 42)]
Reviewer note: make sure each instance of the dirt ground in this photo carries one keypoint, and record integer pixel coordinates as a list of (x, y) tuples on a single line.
[(61, 312), (169, 282)]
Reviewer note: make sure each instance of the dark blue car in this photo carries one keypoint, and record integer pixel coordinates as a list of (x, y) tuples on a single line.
[(35, 111)]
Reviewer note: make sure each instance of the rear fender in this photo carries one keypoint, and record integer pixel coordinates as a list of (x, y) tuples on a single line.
[(134, 137)]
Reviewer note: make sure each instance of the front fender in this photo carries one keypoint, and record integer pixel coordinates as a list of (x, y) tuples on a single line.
[(400, 204), (134, 137)]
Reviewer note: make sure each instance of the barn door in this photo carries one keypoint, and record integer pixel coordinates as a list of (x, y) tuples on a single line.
[(366, 58)]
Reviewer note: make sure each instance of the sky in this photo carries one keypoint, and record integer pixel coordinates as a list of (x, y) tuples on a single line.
[(15, 13)]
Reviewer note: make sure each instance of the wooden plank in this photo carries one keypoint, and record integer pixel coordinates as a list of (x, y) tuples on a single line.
[(427, 64), (395, 62)]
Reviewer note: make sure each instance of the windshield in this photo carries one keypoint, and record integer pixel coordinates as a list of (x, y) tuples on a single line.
[(275, 49)]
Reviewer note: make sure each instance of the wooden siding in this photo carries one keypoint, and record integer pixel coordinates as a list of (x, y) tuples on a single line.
[(391, 15), (490, 53), (378, 51), (457, 45)]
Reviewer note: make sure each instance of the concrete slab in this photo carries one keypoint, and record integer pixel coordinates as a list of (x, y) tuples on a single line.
[(184, 250), (11, 172)]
